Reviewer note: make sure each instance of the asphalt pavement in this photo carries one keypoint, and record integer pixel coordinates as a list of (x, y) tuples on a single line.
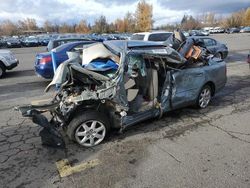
[(185, 148)]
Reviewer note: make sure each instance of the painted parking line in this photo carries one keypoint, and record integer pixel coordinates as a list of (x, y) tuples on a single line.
[(65, 169), (40, 102)]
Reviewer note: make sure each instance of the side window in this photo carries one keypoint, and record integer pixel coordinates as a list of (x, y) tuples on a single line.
[(76, 48), (60, 43), (209, 42), (159, 36), (214, 42)]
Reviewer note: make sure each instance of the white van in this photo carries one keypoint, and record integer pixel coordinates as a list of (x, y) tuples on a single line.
[(159, 36)]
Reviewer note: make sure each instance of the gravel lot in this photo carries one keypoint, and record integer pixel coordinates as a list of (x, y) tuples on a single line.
[(186, 148)]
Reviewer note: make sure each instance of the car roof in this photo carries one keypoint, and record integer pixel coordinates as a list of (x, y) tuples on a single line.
[(201, 37), (120, 45), (73, 39), (153, 32), (63, 46)]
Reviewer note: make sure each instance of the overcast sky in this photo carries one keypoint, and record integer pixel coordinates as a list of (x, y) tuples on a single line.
[(71, 11)]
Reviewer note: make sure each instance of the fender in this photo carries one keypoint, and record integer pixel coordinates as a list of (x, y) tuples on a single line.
[(3, 60)]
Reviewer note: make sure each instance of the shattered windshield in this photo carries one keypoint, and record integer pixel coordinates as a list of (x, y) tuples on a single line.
[(169, 53)]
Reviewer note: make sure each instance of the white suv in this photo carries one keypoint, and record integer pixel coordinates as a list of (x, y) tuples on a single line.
[(7, 61), (159, 36)]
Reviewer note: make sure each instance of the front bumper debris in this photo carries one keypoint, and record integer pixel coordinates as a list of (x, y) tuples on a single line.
[(50, 136)]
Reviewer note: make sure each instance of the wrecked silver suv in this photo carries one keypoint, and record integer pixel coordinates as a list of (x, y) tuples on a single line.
[(149, 79)]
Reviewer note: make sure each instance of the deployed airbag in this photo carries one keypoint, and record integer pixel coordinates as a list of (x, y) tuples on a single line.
[(97, 51), (101, 65)]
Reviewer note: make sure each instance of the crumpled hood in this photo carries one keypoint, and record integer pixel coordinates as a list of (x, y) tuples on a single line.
[(97, 50), (61, 75)]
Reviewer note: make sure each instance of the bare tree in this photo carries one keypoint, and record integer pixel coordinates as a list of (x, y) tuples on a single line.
[(101, 25), (48, 26), (129, 22), (8, 28), (189, 22), (235, 20), (82, 27), (209, 19), (66, 28), (119, 25), (28, 24)]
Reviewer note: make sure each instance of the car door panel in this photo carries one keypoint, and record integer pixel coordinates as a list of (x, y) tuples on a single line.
[(187, 84)]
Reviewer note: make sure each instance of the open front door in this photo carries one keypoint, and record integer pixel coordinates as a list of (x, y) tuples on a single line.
[(141, 85)]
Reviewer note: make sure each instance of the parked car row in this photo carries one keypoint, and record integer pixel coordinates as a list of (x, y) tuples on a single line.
[(238, 30), (214, 30), (44, 39), (12, 42), (198, 33)]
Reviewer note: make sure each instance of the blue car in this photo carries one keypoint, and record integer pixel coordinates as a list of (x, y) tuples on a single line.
[(43, 63)]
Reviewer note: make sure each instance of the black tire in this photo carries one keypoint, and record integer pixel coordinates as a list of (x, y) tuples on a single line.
[(206, 101), (85, 118), (2, 70)]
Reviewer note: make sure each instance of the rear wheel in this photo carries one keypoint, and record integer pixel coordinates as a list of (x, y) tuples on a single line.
[(204, 97), (88, 129), (2, 70)]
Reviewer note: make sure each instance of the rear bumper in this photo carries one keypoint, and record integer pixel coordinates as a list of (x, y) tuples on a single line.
[(44, 71)]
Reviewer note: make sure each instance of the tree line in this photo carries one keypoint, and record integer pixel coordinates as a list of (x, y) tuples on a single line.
[(140, 20), (188, 22)]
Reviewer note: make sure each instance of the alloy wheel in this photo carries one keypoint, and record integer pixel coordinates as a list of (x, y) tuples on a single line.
[(90, 133), (205, 97)]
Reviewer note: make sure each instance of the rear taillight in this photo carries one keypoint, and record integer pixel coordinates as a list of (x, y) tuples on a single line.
[(45, 60)]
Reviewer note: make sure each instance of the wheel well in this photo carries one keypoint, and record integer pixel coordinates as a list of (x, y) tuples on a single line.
[(212, 85), (83, 109), (1, 63)]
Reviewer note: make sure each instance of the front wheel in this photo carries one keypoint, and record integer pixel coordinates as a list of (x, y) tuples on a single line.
[(88, 129), (204, 97), (2, 70)]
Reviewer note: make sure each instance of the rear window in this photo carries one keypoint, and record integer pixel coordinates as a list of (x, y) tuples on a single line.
[(159, 36), (137, 37)]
